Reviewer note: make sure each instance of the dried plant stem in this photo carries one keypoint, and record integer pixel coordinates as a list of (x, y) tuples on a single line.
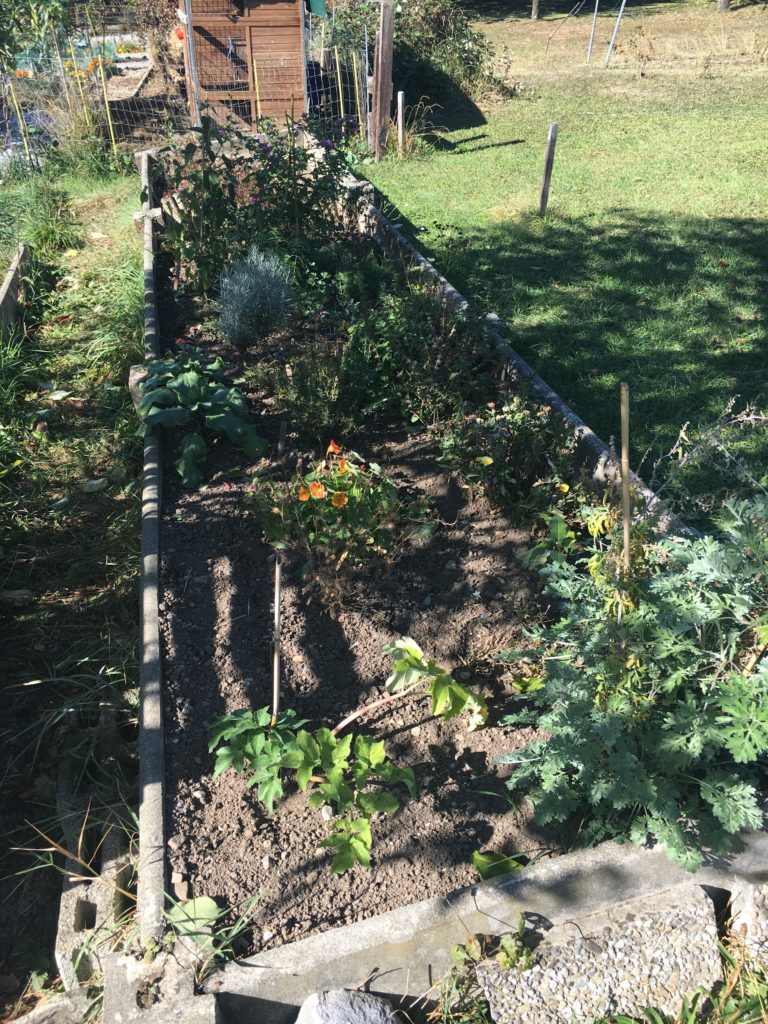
[(367, 708)]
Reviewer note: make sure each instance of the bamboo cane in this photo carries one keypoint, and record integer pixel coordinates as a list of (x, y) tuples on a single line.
[(338, 78), (86, 112), (256, 87), (103, 76), (22, 122), (63, 70), (358, 105), (276, 639)]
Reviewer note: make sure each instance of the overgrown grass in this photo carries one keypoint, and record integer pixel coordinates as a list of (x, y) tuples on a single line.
[(652, 264), (69, 513)]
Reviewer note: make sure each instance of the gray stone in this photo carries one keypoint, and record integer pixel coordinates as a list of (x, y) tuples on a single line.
[(341, 1006), (161, 992), (749, 917), (652, 951)]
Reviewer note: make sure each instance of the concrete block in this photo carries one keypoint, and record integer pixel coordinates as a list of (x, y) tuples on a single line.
[(749, 917), (161, 992), (649, 952)]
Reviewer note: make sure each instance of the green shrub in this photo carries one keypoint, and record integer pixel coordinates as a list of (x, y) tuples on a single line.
[(255, 297), (655, 689)]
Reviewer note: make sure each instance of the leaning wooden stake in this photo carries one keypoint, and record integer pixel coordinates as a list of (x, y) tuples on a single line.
[(626, 508), (276, 639), (615, 32), (549, 161), (401, 124)]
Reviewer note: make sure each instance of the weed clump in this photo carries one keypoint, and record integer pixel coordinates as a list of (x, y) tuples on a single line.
[(255, 296)]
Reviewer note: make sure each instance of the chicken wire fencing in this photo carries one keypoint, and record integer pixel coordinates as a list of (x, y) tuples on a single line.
[(101, 75), (249, 61)]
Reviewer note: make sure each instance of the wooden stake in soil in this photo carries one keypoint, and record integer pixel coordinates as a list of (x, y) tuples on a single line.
[(340, 82), (281, 438), (401, 124), (276, 639), (256, 88), (626, 508), (358, 104), (549, 161)]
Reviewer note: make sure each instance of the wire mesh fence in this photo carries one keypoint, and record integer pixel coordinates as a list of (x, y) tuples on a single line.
[(100, 75)]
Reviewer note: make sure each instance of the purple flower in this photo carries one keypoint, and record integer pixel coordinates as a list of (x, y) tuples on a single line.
[(328, 144)]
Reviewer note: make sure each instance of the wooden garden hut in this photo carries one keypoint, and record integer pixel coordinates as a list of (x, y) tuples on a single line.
[(249, 55)]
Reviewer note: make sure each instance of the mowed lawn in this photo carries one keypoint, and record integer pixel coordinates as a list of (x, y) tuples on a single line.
[(652, 263)]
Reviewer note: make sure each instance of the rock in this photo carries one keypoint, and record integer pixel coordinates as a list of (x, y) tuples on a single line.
[(450, 564), (181, 891), (749, 918), (340, 1006), (326, 812), (651, 951)]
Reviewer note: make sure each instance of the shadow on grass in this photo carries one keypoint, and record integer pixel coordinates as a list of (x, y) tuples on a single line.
[(676, 306), (515, 10)]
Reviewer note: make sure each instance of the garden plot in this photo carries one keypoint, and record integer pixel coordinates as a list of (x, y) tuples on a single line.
[(460, 594)]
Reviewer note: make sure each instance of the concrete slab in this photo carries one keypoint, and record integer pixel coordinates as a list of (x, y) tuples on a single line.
[(404, 954)]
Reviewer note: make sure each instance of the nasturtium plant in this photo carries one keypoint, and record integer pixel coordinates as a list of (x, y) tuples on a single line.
[(411, 668), (191, 390), (341, 509)]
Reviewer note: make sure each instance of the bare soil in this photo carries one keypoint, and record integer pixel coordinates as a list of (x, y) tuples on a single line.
[(462, 595)]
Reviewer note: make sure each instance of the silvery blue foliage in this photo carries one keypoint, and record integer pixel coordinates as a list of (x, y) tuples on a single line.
[(255, 296)]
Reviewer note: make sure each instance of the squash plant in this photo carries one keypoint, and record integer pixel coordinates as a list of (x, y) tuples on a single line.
[(190, 389), (353, 775)]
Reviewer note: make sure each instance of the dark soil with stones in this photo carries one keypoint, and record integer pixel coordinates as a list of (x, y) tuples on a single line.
[(462, 595)]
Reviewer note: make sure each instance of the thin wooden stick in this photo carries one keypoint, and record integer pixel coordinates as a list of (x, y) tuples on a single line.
[(549, 161), (615, 32), (626, 507), (276, 639), (103, 76), (281, 438), (592, 33), (401, 124), (62, 68), (366, 708)]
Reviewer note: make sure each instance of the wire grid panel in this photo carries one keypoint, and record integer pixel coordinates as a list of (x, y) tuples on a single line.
[(97, 73)]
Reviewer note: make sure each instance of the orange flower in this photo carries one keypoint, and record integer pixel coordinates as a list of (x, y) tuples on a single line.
[(343, 466), (339, 500), (303, 494), (317, 490), (332, 449)]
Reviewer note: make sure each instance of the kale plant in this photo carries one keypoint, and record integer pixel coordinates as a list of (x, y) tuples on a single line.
[(655, 689), (255, 297), (191, 390)]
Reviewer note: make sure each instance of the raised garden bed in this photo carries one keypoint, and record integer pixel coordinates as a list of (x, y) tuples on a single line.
[(461, 594)]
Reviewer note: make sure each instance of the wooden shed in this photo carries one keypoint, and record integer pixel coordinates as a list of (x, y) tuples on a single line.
[(249, 56)]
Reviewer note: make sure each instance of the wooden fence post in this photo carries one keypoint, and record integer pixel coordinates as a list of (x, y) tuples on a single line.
[(549, 160), (382, 83), (401, 124)]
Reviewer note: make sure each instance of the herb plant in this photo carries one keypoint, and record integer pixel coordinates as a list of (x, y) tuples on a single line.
[(255, 296), (655, 689), (342, 509), (190, 389)]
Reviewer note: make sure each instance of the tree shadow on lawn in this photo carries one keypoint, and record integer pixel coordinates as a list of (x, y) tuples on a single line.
[(516, 10), (676, 306)]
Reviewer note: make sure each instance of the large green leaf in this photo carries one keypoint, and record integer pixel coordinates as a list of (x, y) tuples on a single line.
[(171, 417), (193, 453)]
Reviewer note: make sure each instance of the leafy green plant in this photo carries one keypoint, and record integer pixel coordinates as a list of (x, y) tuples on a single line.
[(655, 695), (348, 774), (50, 225), (228, 187), (190, 389), (214, 936), (341, 510), (255, 296), (411, 669)]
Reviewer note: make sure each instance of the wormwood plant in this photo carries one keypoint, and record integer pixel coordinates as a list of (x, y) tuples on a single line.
[(342, 509), (255, 296), (190, 389), (353, 775), (655, 688)]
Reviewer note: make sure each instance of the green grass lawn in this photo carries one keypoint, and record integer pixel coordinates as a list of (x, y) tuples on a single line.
[(652, 264)]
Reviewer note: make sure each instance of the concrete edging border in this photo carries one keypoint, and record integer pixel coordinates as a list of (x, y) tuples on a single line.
[(10, 290), (150, 897)]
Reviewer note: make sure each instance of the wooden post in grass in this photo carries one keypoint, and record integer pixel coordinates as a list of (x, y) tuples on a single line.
[(592, 33), (382, 78), (401, 124), (625, 501), (276, 639), (549, 160)]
